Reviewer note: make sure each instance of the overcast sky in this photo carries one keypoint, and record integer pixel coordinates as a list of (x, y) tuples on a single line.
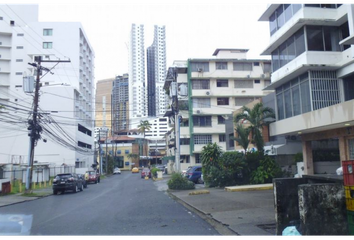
[(194, 28)]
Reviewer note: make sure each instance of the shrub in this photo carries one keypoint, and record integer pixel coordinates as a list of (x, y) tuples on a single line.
[(154, 172), (178, 182), (267, 170)]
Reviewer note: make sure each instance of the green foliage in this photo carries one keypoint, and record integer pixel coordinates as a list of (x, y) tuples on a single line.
[(154, 171), (178, 182), (210, 156), (298, 157), (242, 136), (257, 117), (267, 170)]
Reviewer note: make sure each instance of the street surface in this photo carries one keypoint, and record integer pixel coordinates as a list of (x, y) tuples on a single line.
[(122, 204)]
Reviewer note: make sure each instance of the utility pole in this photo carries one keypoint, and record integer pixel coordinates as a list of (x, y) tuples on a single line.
[(99, 150), (34, 127), (106, 151)]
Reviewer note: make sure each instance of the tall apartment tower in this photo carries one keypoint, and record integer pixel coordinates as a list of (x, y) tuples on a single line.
[(66, 95), (156, 73), (120, 103), (103, 105), (137, 84)]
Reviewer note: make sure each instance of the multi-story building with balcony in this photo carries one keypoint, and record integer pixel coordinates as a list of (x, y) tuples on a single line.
[(209, 90), (103, 109), (313, 77)]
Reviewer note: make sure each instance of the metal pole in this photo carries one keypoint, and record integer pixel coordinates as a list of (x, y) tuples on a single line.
[(106, 151)]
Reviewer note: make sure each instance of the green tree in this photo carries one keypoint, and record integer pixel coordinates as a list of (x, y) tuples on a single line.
[(210, 157), (258, 117), (242, 136), (133, 156), (143, 127)]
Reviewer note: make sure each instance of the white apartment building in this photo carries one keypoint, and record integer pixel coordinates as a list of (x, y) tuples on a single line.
[(137, 85), (313, 77), (66, 96), (208, 91)]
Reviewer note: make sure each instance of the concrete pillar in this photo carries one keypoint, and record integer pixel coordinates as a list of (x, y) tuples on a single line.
[(342, 149), (308, 159)]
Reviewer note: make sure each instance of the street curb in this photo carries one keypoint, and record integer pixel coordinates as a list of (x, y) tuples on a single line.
[(249, 188), (199, 192), (29, 199), (206, 216)]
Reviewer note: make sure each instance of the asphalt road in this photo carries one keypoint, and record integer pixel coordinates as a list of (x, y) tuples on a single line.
[(122, 204)]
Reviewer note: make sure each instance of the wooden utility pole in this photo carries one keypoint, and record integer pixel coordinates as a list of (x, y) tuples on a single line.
[(34, 127)]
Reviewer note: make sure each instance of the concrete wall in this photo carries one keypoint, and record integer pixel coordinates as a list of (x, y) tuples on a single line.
[(286, 201), (322, 209)]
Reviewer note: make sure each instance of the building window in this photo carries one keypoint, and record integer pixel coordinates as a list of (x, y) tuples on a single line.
[(231, 141), (202, 121), (221, 120), (126, 151), (119, 152), (257, 81), (200, 66), (222, 101), (19, 47), (201, 102), (222, 83), (239, 66), (200, 84), (197, 158), (202, 139), (243, 84), (47, 45), (351, 148), (185, 158), (47, 32), (20, 34), (184, 141), (242, 101), (221, 65), (222, 138)]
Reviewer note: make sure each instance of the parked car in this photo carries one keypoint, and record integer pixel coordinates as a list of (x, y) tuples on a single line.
[(194, 174), (145, 172), (184, 172), (83, 179), (93, 177), (67, 181), (135, 170), (116, 171)]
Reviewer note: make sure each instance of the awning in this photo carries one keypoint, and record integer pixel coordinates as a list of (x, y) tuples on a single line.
[(166, 158)]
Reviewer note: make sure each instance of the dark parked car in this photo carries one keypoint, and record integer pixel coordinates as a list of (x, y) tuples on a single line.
[(145, 172), (82, 178), (67, 181), (194, 174), (92, 177)]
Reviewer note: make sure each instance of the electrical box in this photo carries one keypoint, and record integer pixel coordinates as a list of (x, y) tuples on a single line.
[(28, 84)]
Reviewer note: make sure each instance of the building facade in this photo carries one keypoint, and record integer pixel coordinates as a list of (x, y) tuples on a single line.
[(209, 90), (66, 94), (156, 73), (138, 108), (103, 110), (312, 75), (120, 103)]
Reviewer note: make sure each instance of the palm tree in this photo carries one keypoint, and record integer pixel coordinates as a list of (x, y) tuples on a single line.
[(258, 117), (143, 127), (242, 136)]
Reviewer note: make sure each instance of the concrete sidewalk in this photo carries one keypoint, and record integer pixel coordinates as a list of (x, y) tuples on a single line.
[(245, 210), (11, 199)]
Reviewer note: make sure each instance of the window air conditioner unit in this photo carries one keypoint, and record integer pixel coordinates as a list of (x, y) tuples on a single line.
[(207, 93), (198, 112), (200, 69)]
